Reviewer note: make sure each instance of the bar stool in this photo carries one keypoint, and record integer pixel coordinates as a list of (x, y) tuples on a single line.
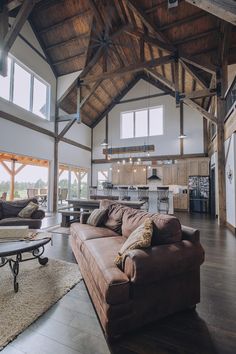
[(143, 195), (163, 199), (93, 192), (123, 193)]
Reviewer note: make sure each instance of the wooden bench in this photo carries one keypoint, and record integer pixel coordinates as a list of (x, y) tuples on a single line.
[(66, 216)]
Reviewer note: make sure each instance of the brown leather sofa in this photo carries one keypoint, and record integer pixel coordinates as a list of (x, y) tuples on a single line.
[(10, 210), (156, 282)]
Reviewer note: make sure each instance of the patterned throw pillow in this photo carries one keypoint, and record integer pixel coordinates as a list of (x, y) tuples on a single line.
[(97, 217), (139, 238), (27, 211)]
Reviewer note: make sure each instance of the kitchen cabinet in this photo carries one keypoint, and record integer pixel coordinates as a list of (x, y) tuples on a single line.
[(180, 202), (167, 175), (182, 179), (203, 167), (198, 167), (128, 174)]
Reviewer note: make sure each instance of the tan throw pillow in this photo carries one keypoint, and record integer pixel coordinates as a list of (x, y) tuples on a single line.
[(97, 217), (139, 238), (27, 211)]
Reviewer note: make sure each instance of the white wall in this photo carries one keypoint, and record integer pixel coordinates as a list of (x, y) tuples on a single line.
[(23, 141), (230, 148), (168, 143)]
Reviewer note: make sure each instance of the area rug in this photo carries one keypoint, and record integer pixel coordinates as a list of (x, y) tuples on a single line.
[(58, 229), (40, 287)]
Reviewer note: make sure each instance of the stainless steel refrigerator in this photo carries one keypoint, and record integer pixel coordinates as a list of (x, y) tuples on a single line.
[(199, 194)]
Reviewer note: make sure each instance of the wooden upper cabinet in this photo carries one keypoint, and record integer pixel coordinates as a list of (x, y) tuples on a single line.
[(174, 172), (192, 167), (127, 176), (167, 175), (198, 167), (203, 167), (182, 173)]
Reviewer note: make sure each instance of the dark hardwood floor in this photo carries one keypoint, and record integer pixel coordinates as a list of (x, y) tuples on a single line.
[(71, 326)]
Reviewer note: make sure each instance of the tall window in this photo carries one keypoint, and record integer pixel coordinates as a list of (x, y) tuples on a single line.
[(143, 122), (23, 88), (102, 177)]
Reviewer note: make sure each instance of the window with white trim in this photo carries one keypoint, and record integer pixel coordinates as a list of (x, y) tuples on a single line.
[(24, 88), (102, 177), (141, 123)]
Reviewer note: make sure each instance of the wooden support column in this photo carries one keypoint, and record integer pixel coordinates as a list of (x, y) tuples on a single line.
[(106, 134), (3, 32), (221, 112), (181, 141), (55, 168)]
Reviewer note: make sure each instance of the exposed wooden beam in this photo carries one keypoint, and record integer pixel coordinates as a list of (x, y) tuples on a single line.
[(198, 63), (130, 69), (142, 98), (12, 5), (200, 94), (149, 39), (20, 20), (64, 21), (97, 13), (132, 4), (193, 74), (201, 110), (182, 21), (176, 82), (75, 143), (160, 78), (66, 129), (91, 92), (224, 9), (154, 158), (3, 33)]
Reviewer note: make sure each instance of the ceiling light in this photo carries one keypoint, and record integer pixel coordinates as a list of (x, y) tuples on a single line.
[(182, 136), (123, 161), (104, 143)]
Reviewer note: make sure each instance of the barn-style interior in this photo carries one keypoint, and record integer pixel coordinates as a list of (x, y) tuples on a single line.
[(114, 116)]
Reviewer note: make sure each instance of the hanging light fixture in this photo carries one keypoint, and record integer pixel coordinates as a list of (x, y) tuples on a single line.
[(182, 136), (104, 143)]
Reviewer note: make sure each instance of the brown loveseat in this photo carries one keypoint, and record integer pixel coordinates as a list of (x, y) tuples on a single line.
[(155, 282), (9, 214)]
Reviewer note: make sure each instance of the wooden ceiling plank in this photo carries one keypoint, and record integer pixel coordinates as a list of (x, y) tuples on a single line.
[(96, 13), (64, 21), (91, 92), (69, 41), (193, 74), (182, 21), (200, 94), (130, 68), (121, 10), (226, 10), (66, 60)]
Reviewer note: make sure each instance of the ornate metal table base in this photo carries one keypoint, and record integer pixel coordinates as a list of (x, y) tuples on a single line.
[(14, 263)]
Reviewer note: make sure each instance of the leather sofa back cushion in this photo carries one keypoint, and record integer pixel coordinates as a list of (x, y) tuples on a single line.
[(114, 217), (166, 228), (12, 209)]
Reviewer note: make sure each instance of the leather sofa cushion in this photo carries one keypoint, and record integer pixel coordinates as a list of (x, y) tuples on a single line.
[(32, 223), (12, 209), (112, 284), (87, 232), (166, 228), (114, 217)]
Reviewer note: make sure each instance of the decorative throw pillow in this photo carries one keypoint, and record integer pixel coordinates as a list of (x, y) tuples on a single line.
[(27, 211), (97, 217), (139, 238)]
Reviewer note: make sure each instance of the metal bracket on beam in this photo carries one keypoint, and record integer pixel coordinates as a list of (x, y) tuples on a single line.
[(69, 117)]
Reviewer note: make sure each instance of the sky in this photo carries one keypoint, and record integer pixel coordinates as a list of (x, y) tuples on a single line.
[(28, 174)]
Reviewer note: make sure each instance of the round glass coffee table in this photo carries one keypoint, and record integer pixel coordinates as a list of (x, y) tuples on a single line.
[(11, 252)]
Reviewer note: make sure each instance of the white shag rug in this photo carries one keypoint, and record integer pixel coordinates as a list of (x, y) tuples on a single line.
[(40, 287)]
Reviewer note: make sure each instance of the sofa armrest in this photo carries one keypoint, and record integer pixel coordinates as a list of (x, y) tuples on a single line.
[(84, 217), (38, 214), (161, 262), (190, 234)]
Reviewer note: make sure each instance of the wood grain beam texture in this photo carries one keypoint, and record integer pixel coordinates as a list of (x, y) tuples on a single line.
[(224, 9)]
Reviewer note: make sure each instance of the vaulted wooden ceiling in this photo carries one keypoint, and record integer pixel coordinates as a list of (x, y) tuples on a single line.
[(117, 42)]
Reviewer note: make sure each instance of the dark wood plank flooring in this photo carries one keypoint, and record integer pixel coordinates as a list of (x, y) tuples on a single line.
[(71, 326)]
